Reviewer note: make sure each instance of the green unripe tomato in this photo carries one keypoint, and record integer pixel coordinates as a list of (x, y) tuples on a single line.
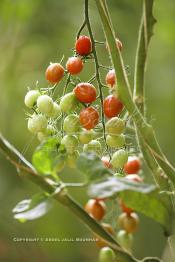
[(115, 141), (125, 239), (93, 146), (72, 159), (31, 98), (71, 124), (45, 104), (68, 103), (37, 123), (56, 111), (106, 254), (86, 136), (119, 158), (70, 142), (115, 126)]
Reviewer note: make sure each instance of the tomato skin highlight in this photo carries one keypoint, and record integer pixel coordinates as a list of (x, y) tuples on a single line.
[(74, 65), (85, 92), (111, 78), (89, 117), (83, 45), (54, 73), (96, 208), (112, 106), (133, 165)]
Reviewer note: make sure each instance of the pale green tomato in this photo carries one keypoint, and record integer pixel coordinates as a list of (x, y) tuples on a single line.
[(93, 146), (85, 136), (125, 239), (56, 111), (106, 254), (71, 159), (115, 126), (37, 123), (70, 142), (45, 104), (71, 124), (31, 98), (116, 141), (119, 158), (68, 103)]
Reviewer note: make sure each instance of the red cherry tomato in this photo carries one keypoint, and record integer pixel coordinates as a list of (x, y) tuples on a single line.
[(74, 65), (106, 162), (83, 45), (54, 73), (89, 117), (112, 106), (85, 92), (111, 78), (133, 165), (96, 208), (134, 178)]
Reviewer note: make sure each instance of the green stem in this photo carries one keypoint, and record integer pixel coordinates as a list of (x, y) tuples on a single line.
[(144, 129)]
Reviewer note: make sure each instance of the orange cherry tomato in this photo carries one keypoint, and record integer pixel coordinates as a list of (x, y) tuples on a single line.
[(112, 106), (133, 165), (54, 73), (96, 208), (129, 222), (89, 117), (85, 92), (111, 78), (74, 65)]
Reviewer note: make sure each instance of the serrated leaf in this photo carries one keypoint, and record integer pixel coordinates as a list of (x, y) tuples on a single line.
[(91, 165), (30, 209), (45, 156)]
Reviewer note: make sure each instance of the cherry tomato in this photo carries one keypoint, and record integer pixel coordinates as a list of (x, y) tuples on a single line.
[(115, 126), (106, 255), (71, 124), (45, 104), (70, 142), (37, 123), (125, 239), (111, 78), (31, 97), (112, 106), (89, 117), (85, 136), (124, 208), (96, 208), (135, 178), (133, 165), (85, 92), (115, 141), (83, 45), (119, 158), (68, 103), (93, 146), (74, 65), (54, 73), (129, 222), (106, 161), (100, 241)]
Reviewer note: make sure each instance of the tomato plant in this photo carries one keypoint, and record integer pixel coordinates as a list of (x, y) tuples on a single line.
[(102, 141)]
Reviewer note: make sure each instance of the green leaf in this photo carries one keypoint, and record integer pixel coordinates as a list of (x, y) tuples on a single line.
[(30, 209), (91, 165), (113, 185), (141, 197), (47, 155)]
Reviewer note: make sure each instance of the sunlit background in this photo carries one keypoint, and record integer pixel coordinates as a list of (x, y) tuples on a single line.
[(33, 33)]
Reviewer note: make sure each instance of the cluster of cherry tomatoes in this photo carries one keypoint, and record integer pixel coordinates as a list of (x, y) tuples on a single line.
[(80, 118)]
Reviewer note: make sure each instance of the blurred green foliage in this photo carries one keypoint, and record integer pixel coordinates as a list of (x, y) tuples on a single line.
[(33, 33)]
